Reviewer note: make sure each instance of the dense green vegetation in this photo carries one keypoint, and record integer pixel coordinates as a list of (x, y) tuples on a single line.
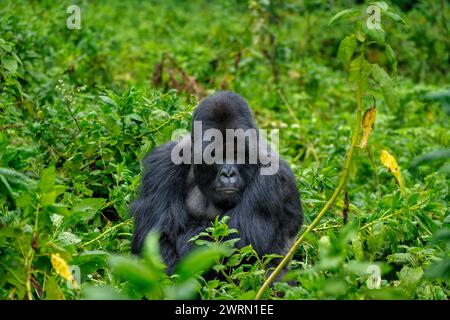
[(80, 108)]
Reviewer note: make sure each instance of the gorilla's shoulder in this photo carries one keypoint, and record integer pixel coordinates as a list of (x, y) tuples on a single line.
[(159, 154), (286, 178), (159, 167)]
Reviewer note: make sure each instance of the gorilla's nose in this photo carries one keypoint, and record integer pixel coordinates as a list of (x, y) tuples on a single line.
[(228, 175)]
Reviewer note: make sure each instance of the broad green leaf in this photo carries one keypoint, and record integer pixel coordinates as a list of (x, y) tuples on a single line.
[(9, 63), (183, 291), (386, 84), (67, 238), (346, 49), (410, 277), (130, 269), (108, 100), (102, 293), (151, 251), (439, 270), (91, 261), (344, 14), (376, 34), (89, 207), (395, 17), (358, 72), (52, 291), (358, 250), (47, 181), (199, 260)]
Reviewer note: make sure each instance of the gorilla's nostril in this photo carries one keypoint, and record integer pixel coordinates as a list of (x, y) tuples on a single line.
[(228, 172)]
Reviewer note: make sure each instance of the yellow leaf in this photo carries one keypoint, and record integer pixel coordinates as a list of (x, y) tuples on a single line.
[(62, 268), (367, 125), (390, 163)]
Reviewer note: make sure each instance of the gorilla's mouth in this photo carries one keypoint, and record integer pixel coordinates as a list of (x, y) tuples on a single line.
[(227, 190)]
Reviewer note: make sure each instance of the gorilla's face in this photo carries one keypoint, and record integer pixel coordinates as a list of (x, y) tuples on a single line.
[(224, 184), (224, 180)]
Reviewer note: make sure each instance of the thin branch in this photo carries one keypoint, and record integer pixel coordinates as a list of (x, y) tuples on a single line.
[(104, 233)]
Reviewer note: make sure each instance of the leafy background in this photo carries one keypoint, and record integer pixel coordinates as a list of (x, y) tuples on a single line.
[(80, 108)]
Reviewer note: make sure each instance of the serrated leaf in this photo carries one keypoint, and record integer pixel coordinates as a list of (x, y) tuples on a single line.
[(358, 72), (343, 14), (390, 163), (386, 84), (89, 207), (367, 125), (347, 49), (67, 238)]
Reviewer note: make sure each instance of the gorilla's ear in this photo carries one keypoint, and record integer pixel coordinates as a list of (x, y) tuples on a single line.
[(182, 151)]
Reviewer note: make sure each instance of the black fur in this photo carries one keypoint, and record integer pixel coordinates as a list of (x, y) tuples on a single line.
[(267, 211)]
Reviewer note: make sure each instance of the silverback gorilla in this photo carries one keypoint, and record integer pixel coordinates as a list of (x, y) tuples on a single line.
[(178, 200)]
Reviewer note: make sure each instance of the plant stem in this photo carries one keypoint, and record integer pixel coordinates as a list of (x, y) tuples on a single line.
[(104, 233), (342, 182), (30, 256)]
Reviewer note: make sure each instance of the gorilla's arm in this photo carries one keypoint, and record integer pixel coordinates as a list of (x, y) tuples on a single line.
[(270, 214), (160, 205)]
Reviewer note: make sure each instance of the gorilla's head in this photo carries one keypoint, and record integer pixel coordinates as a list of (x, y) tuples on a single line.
[(223, 182)]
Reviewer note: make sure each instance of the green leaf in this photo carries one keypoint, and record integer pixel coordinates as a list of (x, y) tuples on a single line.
[(410, 277), (380, 76), (183, 291), (151, 252), (52, 290), (129, 269), (358, 72), (47, 181), (344, 14), (391, 58), (395, 17), (347, 49), (199, 260), (89, 207), (377, 35), (439, 270), (102, 293), (10, 64), (386, 84), (108, 100), (90, 261), (67, 238)]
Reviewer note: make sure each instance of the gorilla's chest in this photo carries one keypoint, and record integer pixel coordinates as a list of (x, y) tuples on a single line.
[(198, 206)]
